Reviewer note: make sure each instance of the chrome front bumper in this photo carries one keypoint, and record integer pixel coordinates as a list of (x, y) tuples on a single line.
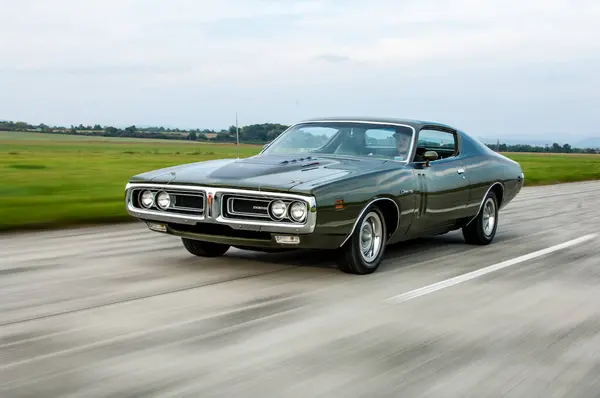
[(213, 213)]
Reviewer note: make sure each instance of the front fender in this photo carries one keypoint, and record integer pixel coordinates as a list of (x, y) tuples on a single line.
[(393, 191)]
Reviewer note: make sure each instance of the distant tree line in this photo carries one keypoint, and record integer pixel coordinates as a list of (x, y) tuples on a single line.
[(250, 134), (554, 148)]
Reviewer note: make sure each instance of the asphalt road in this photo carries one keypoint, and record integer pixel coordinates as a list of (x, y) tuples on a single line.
[(122, 312)]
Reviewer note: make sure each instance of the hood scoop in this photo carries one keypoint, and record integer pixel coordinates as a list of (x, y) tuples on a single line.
[(292, 161), (306, 166), (262, 166)]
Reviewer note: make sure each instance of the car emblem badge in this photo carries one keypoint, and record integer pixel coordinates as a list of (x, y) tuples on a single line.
[(209, 201)]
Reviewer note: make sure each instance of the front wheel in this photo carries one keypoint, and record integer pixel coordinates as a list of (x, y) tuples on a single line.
[(204, 249), (364, 251), (482, 230)]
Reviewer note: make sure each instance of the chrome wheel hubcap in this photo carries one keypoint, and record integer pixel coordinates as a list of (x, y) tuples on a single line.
[(371, 234), (489, 217)]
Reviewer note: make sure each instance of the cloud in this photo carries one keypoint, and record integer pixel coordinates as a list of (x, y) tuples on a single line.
[(157, 33), (332, 58), (190, 62)]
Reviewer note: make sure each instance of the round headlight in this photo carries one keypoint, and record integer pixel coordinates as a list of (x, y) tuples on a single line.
[(147, 198), (298, 211), (278, 209), (163, 200)]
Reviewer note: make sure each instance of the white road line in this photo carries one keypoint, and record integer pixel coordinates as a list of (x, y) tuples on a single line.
[(474, 274)]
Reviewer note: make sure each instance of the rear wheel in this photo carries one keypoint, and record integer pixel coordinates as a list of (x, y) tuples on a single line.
[(364, 251), (482, 230), (204, 249)]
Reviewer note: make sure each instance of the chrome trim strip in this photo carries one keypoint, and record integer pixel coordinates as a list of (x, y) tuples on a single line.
[(363, 212), (285, 227), (410, 150), (483, 200), (166, 187), (186, 208), (242, 191)]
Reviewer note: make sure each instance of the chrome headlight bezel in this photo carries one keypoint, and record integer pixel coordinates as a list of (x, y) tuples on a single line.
[(144, 195), (298, 206), (281, 205), (160, 197)]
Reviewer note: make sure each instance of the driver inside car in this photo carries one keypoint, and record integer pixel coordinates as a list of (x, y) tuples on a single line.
[(402, 144)]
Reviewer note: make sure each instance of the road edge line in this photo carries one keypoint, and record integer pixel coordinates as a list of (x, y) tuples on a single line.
[(486, 270)]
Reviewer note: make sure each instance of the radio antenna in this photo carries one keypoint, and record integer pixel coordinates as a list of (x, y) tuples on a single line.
[(237, 135)]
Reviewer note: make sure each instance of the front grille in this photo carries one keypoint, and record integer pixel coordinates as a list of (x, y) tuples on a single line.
[(182, 201), (189, 202), (250, 208), (247, 207)]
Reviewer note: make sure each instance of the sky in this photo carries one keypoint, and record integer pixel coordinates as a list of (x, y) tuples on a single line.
[(491, 68)]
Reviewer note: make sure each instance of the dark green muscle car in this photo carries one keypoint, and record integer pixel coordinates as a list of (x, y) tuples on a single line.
[(354, 185)]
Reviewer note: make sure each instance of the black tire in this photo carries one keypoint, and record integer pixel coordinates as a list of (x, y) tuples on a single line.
[(350, 258), (475, 233), (204, 249)]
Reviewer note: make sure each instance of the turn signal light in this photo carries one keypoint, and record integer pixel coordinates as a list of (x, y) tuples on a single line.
[(287, 239), (157, 227)]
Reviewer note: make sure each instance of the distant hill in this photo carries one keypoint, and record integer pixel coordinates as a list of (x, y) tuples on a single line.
[(516, 141), (591, 142)]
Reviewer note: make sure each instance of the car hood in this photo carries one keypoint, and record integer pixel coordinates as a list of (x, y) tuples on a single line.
[(269, 172)]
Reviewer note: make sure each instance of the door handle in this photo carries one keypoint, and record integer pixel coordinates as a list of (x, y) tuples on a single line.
[(460, 170)]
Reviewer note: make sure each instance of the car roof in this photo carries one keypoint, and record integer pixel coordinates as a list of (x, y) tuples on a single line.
[(410, 122)]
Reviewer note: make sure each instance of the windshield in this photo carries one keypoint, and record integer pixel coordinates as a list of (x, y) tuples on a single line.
[(345, 138)]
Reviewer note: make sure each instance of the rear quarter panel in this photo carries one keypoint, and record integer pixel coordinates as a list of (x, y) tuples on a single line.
[(484, 167)]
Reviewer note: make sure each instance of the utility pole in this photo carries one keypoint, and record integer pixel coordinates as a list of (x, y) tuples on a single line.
[(237, 135)]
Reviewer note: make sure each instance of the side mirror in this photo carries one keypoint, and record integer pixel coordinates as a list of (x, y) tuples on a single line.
[(266, 145), (430, 156)]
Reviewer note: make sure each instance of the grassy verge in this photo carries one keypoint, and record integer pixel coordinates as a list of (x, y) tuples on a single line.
[(50, 180), (546, 169)]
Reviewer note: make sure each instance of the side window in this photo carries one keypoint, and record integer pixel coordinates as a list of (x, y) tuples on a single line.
[(382, 137), (380, 142), (443, 142), (390, 142)]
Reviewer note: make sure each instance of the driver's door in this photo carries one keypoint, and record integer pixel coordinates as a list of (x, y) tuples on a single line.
[(443, 184)]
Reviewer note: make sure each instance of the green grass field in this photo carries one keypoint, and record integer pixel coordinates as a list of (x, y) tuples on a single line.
[(58, 180), (545, 169)]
